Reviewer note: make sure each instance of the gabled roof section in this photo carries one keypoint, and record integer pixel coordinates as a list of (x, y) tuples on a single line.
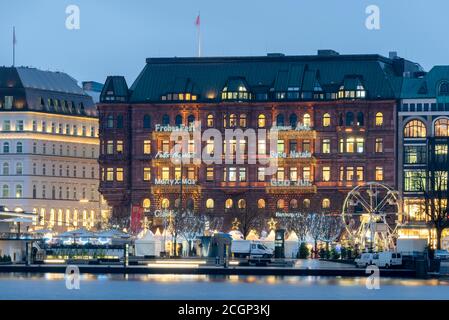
[(427, 86), (115, 90)]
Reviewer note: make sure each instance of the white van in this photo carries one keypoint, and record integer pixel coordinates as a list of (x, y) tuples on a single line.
[(253, 251), (364, 260), (387, 259)]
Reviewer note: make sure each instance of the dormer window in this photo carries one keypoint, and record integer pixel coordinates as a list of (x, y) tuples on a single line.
[(444, 89), (235, 89), (360, 93), (293, 93), (187, 96)]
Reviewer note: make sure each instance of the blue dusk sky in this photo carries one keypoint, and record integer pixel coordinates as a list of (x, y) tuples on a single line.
[(116, 36)]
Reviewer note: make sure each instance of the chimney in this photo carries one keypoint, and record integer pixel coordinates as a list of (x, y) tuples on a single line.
[(393, 55)]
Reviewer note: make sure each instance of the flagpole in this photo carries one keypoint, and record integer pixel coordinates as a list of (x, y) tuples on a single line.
[(198, 24), (13, 46)]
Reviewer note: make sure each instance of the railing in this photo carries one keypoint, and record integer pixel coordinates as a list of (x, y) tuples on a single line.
[(19, 236)]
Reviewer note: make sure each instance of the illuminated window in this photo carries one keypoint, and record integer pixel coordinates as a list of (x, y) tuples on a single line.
[(233, 120), (306, 203), (110, 147), (261, 204), (379, 145), (349, 173), (379, 173), (293, 174), (120, 174), (306, 174), (210, 174), (165, 146), (441, 127), (229, 204), (326, 172), (280, 175), (326, 120), (360, 145), (241, 204), (210, 147), (350, 145), (262, 121), (360, 174), (146, 174), (210, 121), (165, 173), (210, 204), (326, 146), (191, 173), (281, 146), (110, 174), (307, 120), (414, 180), (294, 204), (326, 204), (379, 119), (415, 129), (146, 204), (119, 146), (261, 174), (165, 203), (262, 147), (232, 174), (280, 204), (147, 147)]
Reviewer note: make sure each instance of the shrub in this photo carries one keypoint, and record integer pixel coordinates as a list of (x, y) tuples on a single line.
[(344, 253), (335, 255), (303, 251)]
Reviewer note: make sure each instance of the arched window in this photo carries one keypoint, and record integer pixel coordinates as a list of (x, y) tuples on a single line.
[(307, 120), (280, 120), (210, 120), (349, 119), (5, 170), (19, 191), (165, 203), (5, 191), (294, 204), (293, 120), (147, 121), (165, 120), (6, 147), (261, 121), (441, 127), (379, 119), (210, 204), (177, 203), (146, 203), (19, 147), (190, 119), (444, 89), (241, 204), (261, 204), (326, 204), (415, 129), (326, 120), (110, 121), (233, 120), (229, 204), (280, 204), (360, 119), (120, 121), (306, 203), (243, 121), (178, 120)]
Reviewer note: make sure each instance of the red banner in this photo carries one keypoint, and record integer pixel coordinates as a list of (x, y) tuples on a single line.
[(136, 219)]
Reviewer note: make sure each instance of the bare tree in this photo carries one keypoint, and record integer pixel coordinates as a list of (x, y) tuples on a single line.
[(297, 222), (331, 229), (249, 219), (190, 226), (434, 187)]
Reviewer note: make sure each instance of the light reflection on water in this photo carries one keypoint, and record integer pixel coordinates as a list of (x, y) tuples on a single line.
[(303, 281)]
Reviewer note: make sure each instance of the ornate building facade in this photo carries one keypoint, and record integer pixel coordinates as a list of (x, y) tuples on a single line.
[(48, 149), (334, 115)]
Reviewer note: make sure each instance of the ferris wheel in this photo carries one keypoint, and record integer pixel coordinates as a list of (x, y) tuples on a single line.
[(371, 215)]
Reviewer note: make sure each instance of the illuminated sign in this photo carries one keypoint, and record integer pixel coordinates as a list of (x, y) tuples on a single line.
[(174, 182), (288, 183)]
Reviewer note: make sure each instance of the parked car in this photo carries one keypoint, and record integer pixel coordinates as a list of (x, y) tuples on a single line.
[(364, 260), (387, 259), (441, 254)]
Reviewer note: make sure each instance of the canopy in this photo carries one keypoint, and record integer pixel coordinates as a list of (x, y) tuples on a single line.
[(252, 236), (80, 233), (271, 236), (18, 220), (112, 233), (293, 237), (146, 236)]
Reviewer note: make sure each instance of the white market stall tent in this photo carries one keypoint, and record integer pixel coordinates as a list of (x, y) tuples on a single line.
[(148, 245), (291, 246), (268, 241)]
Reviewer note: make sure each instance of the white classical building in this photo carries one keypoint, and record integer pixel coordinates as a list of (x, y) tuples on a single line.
[(48, 149)]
